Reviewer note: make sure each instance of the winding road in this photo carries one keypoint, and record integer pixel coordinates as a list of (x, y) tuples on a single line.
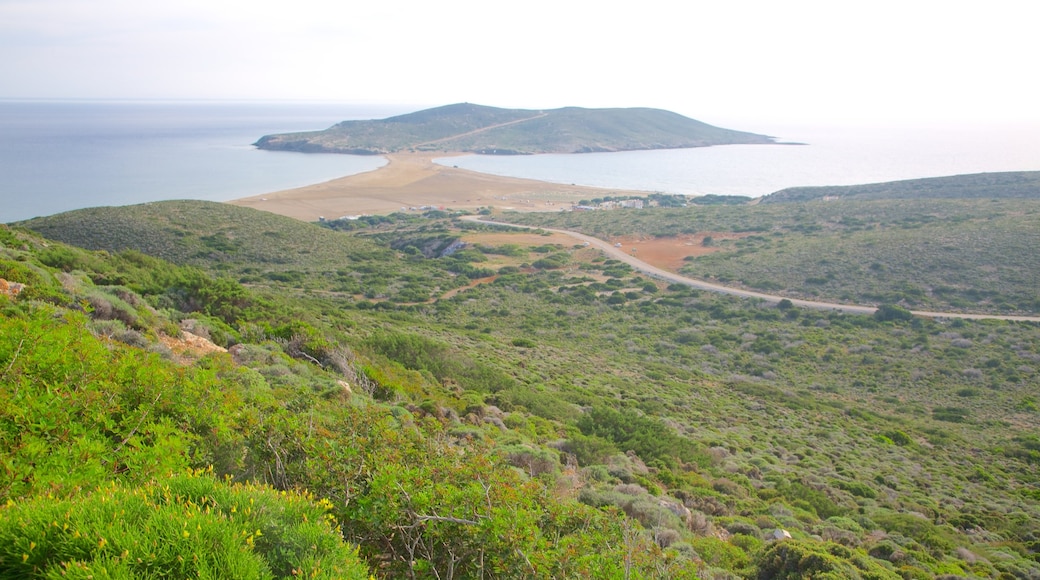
[(655, 272)]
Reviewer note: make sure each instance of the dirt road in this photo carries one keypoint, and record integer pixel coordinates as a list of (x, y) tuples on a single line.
[(660, 274)]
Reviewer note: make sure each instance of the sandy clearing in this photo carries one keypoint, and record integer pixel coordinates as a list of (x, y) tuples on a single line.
[(413, 180), (519, 238)]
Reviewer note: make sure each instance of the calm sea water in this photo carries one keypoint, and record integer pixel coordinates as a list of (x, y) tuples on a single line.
[(830, 156), (59, 156)]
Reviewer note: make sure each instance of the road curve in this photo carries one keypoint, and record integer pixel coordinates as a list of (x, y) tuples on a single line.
[(667, 276)]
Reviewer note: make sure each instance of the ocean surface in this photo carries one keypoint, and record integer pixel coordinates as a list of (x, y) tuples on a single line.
[(58, 156)]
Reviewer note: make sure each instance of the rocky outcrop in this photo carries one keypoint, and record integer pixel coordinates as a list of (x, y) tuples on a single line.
[(10, 289)]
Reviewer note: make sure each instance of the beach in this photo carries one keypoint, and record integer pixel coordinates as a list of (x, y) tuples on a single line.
[(412, 181)]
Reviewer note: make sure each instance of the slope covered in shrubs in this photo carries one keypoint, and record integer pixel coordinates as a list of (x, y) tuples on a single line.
[(569, 420)]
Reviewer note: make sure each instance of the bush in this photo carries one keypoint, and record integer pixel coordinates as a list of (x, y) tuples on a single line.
[(533, 460), (791, 559), (899, 437), (892, 312), (649, 437), (190, 526)]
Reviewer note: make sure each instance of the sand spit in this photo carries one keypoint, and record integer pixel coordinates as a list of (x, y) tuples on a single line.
[(412, 181)]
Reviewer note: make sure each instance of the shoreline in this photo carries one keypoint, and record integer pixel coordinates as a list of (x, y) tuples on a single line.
[(410, 181)]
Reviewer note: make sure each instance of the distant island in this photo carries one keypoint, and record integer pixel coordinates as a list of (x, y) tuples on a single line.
[(469, 128)]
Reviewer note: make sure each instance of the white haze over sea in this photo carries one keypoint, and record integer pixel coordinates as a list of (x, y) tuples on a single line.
[(64, 155), (830, 156)]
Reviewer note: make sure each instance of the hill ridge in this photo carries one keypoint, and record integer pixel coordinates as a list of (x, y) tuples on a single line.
[(471, 128), (996, 185)]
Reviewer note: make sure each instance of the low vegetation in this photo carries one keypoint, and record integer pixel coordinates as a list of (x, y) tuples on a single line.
[(531, 410), (1003, 185), (960, 255)]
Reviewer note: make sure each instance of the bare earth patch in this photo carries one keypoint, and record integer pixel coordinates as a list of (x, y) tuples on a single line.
[(189, 347), (669, 253), (521, 239)]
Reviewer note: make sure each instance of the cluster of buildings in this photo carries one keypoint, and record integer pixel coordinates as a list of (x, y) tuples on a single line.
[(613, 204)]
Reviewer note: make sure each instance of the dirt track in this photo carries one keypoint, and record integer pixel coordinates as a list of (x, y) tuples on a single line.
[(413, 180), (655, 272)]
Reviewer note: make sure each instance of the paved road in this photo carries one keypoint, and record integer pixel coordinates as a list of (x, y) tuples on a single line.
[(667, 276)]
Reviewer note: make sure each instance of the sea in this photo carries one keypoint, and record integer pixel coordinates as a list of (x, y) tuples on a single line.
[(57, 156)]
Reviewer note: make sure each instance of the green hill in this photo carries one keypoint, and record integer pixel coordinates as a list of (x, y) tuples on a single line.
[(259, 248), (1004, 185), (560, 416), (489, 130)]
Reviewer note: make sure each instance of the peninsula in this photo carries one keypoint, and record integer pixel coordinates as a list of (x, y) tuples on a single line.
[(413, 141), (469, 128)]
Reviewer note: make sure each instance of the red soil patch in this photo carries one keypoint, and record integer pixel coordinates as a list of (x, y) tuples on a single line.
[(670, 253)]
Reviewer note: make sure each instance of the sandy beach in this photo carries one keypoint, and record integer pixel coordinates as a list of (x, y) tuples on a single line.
[(410, 181)]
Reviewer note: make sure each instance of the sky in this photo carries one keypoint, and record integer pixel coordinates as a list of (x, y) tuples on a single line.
[(730, 62)]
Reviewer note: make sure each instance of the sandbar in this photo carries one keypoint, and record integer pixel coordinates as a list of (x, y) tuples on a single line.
[(412, 181)]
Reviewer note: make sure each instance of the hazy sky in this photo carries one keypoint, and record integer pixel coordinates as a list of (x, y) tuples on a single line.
[(722, 61)]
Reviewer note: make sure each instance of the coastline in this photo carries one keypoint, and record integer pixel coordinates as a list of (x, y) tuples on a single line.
[(411, 181)]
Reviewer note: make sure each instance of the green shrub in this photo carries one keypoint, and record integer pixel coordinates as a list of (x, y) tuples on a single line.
[(796, 559), (533, 460), (938, 539), (440, 360), (899, 438), (720, 554), (649, 437), (950, 414), (892, 312), (189, 526), (857, 489)]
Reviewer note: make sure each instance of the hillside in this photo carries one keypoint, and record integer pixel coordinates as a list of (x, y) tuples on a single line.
[(971, 253), (256, 247), (553, 415), (472, 128), (1004, 185)]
